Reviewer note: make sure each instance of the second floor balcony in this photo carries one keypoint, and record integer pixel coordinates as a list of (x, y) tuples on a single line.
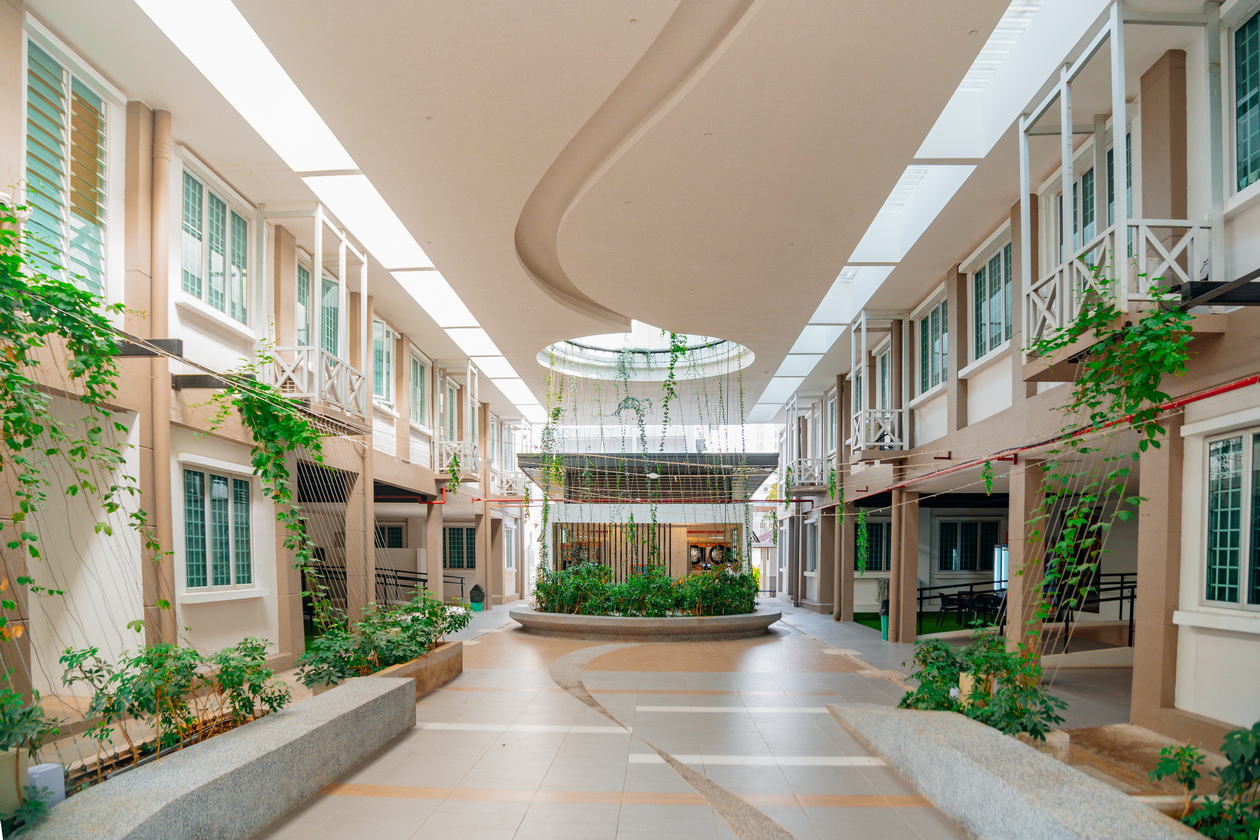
[(507, 482), (875, 431), (809, 473), (459, 457), (315, 375)]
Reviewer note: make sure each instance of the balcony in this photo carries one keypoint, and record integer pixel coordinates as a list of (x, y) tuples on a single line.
[(315, 375), (466, 452), (875, 431), (507, 482), (809, 473), (1172, 250)]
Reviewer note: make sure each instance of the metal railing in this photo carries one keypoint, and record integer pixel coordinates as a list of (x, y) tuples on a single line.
[(393, 586), (312, 373), (877, 428), (1172, 250)]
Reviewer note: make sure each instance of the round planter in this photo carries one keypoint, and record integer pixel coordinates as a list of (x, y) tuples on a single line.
[(616, 628)]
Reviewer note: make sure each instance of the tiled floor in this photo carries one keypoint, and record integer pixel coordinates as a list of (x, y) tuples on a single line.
[(504, 752)]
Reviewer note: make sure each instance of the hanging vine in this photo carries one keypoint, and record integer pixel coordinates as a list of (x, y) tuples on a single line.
[(863, 539), (38, 314), (1119, 388)]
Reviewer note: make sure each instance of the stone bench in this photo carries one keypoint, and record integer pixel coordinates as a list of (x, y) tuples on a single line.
[(995, 787), (236, 784)]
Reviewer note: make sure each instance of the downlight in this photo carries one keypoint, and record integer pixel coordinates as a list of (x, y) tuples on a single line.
[(643, 355)]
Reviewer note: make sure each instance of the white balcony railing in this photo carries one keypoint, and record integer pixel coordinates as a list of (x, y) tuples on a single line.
[(877, 428), (809, 472), (1169, 250), (507, 482), (465, 451), (311, 373)]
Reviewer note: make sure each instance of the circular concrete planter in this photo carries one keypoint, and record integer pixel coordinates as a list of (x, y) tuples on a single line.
[(686, 628)]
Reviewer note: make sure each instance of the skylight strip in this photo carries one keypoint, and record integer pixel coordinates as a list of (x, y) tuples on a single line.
[(1001, 42)]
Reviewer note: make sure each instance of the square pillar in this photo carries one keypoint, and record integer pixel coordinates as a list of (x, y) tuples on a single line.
[(958, 313), (896, 603), (1027, 555), (1020, 390), (291, 637), (433, 550), (843, 606), (908, 579), (828, 557), (360, 540)]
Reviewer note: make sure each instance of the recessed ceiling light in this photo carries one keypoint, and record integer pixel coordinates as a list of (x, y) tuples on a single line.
[(357, 204)]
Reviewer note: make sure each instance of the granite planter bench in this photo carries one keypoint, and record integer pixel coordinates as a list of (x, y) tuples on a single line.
[(429, 672), (682, 628), (236, 784)]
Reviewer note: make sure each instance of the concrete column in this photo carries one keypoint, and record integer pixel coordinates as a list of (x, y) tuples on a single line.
[(164, 620), (1159, 573), (908, 579), (284, 284), (1163, 162), (1020, 390), (843, 609), (292, 635), (1027, 555), (828, 559), (433, 550), (958, 314), (494, 571), (360, 540), (481, 523), (12, 106), (895, 602)]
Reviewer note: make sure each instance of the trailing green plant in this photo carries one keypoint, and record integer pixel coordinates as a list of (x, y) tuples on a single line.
[(986, 475), (863, 539), (453, 468), (1007, 692), (787, 488), (589, 589), (1234, 812), (41, 315), (831, 485), (279, 428), (385, 636), (1118, 388), (180, 693), (29, 814)]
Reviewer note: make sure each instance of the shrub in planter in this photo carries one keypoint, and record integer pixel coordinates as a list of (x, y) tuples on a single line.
[(1004, 687), (384, 636), (588, 589), (1234, 813), (23, 728), (183, 694)]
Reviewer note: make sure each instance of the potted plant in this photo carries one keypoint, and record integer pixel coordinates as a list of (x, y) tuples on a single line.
[(23, 729)]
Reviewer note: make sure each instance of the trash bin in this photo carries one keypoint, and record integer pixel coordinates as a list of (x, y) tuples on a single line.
[(477, 599), (883, 618)]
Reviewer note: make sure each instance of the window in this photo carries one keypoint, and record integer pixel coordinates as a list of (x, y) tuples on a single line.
[(509, 449), (459, 548), (509, 549), (883, 370), (966, 545), (450, 409), (494, 442), (1111, 177), (214, 250), (1233, 521), (878, 546), (1247, 100), (811, 547), (390, 536), (66, 169), (217, 535), (418, 406), (831, 423), (302, 312), (330, 317), (859, 397), (382, 362), (991, 302), (934, 347)]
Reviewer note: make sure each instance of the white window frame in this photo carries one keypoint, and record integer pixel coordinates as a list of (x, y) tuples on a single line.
[(509, 549), (1247, 516), (832, 422), (114, 102), (232, 472), (304, 263), (1004, 252), (935, 550), (1239, 15), (935, 366), (387, 338), (420, 417), (813, 538), (192, 165), (885, 560)]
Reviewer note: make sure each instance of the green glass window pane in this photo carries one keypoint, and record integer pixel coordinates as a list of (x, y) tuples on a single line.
[(925, 356), (85, 256), (378, 359), (967, 545), (302, 312), (330, 305), (191, 235), (944, 342), (988, 541), (1006, 290), (1247, 100), (470, 548), (935, 349), (241, 541), (1224, 526), (239, 282), (216, 247), (994, 306), (1087, 206), (220, 539), (948, 556), (454, 555), (1253, 572), (981, 298), (194, 528)]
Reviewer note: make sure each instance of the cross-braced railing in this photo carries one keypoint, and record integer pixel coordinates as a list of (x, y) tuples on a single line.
[(1169, 250), (312, 373), (809, 472), (465, 451), (877, 428), (507, 482)]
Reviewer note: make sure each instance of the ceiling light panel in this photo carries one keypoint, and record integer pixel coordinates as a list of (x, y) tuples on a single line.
[(495, 367), (358, 206), (1006, 35), (436, 297), (473, 341), (250, 79), (817, 338), (780, 388), (798, 365), (534, 413), (515, 390)]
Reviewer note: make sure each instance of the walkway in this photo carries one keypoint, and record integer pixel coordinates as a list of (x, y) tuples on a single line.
[(544, 739)]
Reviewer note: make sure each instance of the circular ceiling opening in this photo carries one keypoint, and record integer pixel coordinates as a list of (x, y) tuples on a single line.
[(643, 354)]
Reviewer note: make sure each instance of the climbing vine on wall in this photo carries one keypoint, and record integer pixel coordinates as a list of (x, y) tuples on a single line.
[(1119, 388), (42, 315)]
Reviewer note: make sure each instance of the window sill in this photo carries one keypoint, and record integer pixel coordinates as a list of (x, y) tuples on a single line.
[(1002, 352), (422, 429), (928, 395), (1242, 201), (217, 595), (1241, 622), (191, 306), (382, 408)]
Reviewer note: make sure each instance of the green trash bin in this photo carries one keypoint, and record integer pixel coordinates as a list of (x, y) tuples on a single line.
[(477, 598), (883, 626)]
